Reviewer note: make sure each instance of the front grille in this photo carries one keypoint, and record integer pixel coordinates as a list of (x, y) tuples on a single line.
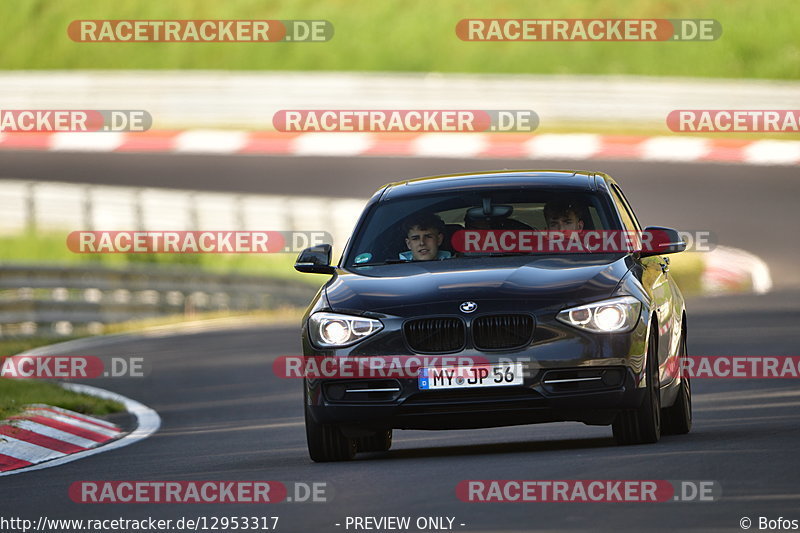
[(502, 332), (435, 335)]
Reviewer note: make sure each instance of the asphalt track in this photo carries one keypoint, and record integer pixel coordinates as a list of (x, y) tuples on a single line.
[(225, 416)]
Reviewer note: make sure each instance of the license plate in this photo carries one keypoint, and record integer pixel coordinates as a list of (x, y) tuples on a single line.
[(460, 377)]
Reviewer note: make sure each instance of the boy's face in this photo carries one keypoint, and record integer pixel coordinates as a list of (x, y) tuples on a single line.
[(424, 243), (568, 221)]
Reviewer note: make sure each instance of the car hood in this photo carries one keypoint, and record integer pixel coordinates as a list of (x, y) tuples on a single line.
[(515, 282)]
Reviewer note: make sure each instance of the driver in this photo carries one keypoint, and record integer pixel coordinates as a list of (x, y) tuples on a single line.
[(424, 235), (563, 214)]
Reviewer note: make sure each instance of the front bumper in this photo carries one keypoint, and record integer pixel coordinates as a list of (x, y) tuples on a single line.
[(557, 352), (537, 400)]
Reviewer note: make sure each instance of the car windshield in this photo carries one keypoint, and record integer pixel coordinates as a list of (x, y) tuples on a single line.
[(427, 227)]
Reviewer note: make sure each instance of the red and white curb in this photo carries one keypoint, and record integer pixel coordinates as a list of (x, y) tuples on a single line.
[(733, 270), (457, 145), (45, 436), (42, 433)]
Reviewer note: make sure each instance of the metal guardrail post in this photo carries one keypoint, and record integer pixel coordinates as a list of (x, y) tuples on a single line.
[(30, 207)]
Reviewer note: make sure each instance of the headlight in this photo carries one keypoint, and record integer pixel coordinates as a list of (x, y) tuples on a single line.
[(332, 330), (616, 315)]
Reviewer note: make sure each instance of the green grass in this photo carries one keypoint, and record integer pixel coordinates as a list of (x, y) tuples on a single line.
[(687, 270), (17, 393), (759, 39), (284, 315), (51, 248), (15, 346)]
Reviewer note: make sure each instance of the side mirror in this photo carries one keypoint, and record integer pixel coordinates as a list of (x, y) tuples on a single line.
[(315, 260), (659, 241)]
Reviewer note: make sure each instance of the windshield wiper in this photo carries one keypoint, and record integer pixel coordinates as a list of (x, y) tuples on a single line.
[(495, 254), (379, 263)]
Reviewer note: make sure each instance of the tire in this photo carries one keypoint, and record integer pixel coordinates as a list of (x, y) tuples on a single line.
[(380, 442), (327, 443), (678, 417), (643, 424)]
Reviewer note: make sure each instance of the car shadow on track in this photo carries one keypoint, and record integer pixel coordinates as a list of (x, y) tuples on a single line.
[(494, 448)]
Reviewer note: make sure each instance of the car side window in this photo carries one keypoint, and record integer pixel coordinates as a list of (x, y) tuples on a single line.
[(628, 218), (627, 204)]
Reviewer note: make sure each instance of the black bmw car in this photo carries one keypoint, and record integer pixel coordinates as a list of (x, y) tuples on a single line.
[(501, 332)]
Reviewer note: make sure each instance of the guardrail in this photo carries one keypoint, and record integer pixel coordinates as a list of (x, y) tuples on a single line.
[(40, 206), (43, 300), (57, 301)]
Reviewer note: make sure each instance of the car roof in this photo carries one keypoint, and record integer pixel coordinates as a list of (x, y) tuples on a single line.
[(580, 180)]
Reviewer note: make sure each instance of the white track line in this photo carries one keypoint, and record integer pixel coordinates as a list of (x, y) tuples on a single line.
[(674, 149), (772, 152), (449, 145), (566, 146), (210, 141), (86, 142), (331, 144)]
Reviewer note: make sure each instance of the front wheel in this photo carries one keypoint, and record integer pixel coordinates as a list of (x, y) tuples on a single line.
[(327, 443), (678, 417), (643, 425)]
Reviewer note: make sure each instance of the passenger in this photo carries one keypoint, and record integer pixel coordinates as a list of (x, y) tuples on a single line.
[(563, 215), (424, 235)]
